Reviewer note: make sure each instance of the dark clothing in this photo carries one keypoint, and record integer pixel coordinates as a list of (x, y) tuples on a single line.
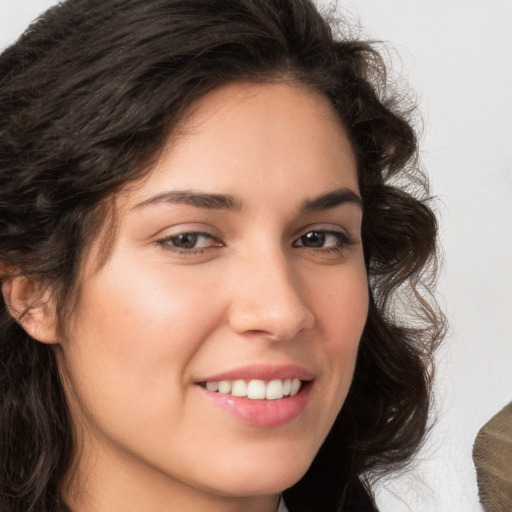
[(355, 498)]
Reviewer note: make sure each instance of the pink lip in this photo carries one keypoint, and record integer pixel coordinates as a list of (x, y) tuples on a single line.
[(263, 372), (261, 413)]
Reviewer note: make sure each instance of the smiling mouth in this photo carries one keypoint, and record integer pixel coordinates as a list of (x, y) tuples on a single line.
[(256, 389)]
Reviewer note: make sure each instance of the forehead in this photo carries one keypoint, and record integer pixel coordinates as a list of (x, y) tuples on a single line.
[(280, 96), (245, 133)]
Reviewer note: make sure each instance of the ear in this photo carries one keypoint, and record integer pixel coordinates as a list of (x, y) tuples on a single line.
[(32, 307)]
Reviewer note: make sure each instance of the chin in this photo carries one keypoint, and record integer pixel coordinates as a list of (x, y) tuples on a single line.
[(264, 481)]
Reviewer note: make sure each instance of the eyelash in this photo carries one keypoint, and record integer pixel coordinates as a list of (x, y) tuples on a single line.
[(343, 240), (166, 243)]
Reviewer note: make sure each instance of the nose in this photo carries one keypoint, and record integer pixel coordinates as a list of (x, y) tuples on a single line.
[(268, 299)]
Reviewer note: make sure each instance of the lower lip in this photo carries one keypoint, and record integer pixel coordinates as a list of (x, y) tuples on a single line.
[(262, 413)]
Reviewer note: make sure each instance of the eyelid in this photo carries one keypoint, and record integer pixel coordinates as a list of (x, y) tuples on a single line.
[(335, 229), (164, 239), (197, 228), (342, 240), (189, 232)]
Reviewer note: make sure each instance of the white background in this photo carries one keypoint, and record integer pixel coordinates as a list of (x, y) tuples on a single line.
[(457, 56)]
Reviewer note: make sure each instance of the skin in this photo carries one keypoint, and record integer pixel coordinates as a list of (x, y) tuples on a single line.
[(156, 319)]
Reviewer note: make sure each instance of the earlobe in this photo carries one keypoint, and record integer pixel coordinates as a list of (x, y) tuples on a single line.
[(32, 307)]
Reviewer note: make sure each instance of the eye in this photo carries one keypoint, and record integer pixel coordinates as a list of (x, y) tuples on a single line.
[(326, 240), (189, 242)]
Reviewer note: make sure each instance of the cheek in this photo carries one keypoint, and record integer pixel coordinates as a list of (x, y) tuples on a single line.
[(342, 309), (126, 365), (136, 332), (150, 310)]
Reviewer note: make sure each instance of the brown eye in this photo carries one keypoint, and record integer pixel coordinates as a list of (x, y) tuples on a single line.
[(323, 240), (184, 241), (189, 242), (313, 239)]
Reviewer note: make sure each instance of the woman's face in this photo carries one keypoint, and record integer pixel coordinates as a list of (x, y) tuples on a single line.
[(237, 268)]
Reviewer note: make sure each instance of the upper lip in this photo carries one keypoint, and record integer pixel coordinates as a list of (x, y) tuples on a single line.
[(261, 372)]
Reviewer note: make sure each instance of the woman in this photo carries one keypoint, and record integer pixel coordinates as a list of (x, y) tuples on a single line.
[(202, 245)]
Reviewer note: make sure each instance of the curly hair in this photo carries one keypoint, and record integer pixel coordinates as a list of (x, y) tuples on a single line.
[(89, 95)]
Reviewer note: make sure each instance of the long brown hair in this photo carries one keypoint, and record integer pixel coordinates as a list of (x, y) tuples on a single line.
[(88, 95)]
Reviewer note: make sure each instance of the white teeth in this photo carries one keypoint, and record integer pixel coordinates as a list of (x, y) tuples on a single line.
[(274, 390), (257, 389), (239, 388), (224, 387), (212, 386), (295, 387)]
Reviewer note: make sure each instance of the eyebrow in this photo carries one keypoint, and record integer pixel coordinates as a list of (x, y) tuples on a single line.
[(331, 200), (197, 199), (226, 202)]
